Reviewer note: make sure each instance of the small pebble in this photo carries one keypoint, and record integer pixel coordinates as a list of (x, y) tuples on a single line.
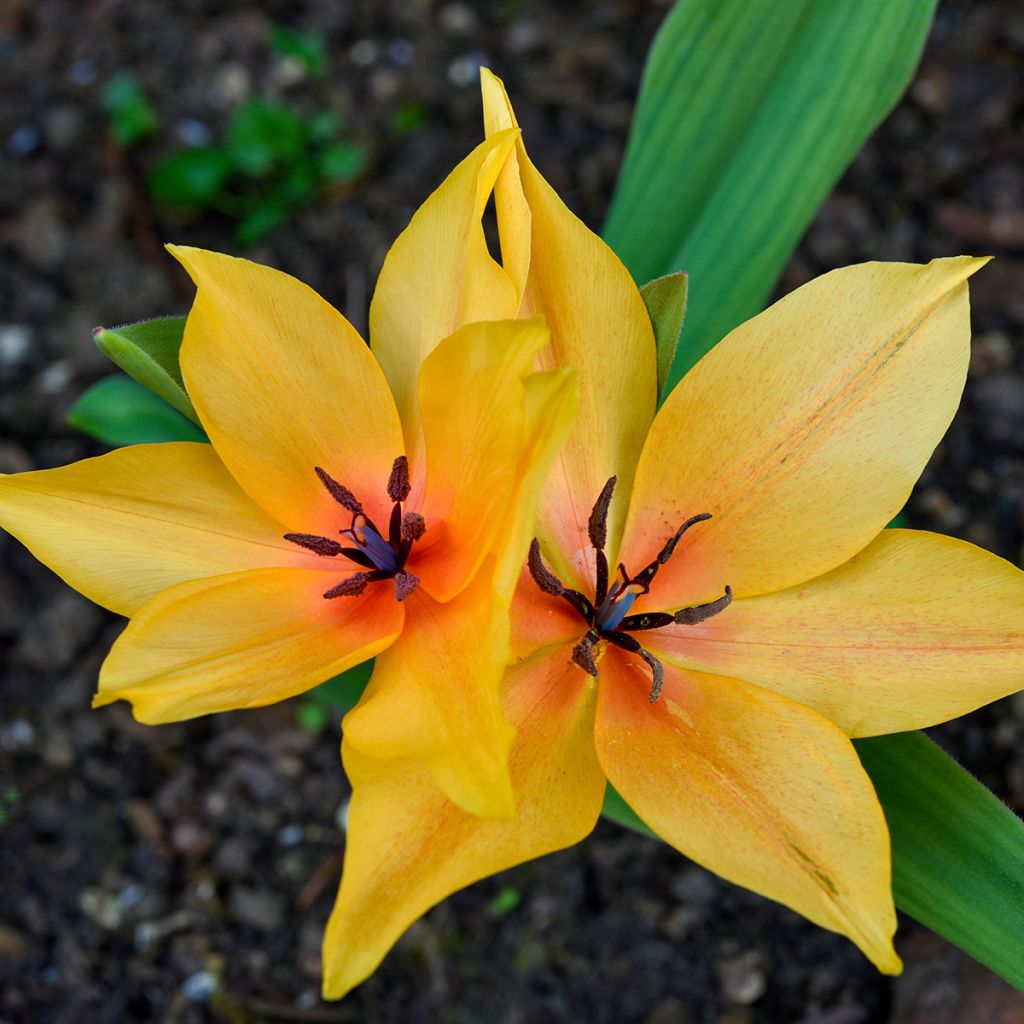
[(200, 987), (23, 141), (363, 52)]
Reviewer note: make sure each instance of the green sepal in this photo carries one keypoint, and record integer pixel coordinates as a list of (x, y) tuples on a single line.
[(665, 299), (148, 351), (119, 411)]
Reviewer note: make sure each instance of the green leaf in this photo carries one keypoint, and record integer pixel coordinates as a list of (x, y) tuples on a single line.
[(958, 853), (258, 224), (342, 692), (748, 113), (309, 48), (665, 298), (409, 118), (263, 134), (132, 117), (119, 411), (193, 177), (342, 161), (148, 352)]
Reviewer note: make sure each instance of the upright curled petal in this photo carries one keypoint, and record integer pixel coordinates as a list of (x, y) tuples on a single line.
[(409, 847), (242, 641), (915, 630), (598, 324), (438, 277), (803, 431), (488, 431), (434, 697), (123, 526), (283, 384), (759, 789)]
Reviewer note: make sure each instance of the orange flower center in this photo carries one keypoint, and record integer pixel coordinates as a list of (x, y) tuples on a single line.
[(382, 559), (607, 616)]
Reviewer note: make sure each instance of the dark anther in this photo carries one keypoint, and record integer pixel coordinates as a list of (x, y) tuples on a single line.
[(647, 575), (352, 587), (691, 616), (398, 483), (583, 652), (542, 575), (597, 525), (405, 584), (551, 584), (321, 545), (413, 527), (339, 492), (631, 644)]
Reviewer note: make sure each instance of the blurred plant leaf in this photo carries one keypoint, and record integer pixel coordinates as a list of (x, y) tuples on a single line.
[(191, 177), (119, 411), (148, 352), (342, 161), (665, 299), (409, 117), (328, 702), (308, 48), (748, 113), (262, 134), (324, 126), (259, 223), (131, 116)]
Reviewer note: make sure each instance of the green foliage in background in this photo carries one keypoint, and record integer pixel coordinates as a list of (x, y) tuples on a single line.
[(130, 114)]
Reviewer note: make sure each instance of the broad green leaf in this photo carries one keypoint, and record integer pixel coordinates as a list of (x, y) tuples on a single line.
[(958, 853), (309, 48), (748, 113), (119, 411), (131, 115), (193, 177), (342, 161), (263, 134), (665, 298), (258, 224), (148, 351)]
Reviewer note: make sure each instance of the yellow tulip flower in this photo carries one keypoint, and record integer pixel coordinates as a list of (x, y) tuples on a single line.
[(712, 608), (352, 504)]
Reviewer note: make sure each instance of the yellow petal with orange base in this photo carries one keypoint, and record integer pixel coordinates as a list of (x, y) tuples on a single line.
[(438, 277), (124, 526), (599, 325), (409, 847), (242, 641), (915, 630), (761, 790), (803, 431), (434, 697), (283, 383), (486, 435)]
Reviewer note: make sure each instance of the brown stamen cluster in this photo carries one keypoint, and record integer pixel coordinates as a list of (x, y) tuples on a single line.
[(383, 559), (607, 616)]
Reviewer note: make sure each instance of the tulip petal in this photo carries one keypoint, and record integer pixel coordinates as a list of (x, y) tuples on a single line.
[(486, 437), (599, 324), (242, 641), (283, 383), (759, 789), (408, 847), (124, 526), (434, 697), (915, 630), (803, 431), (438, 277)]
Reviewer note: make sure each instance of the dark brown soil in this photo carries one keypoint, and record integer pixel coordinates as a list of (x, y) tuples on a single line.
[(184, 873)]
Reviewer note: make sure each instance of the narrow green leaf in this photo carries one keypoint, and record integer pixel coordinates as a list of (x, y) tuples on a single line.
[(958, 853), (131, 115), (665, 298), (148, 351), (119, 411), (748, 113)]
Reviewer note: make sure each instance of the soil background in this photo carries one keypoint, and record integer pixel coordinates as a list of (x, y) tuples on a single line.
[(184, 873)]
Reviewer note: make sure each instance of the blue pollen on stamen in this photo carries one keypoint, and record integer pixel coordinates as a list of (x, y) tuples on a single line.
[(614, 611)]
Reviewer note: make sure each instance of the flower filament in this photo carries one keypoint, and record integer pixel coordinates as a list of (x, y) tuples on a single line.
[(381, 558), (608, 616)]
